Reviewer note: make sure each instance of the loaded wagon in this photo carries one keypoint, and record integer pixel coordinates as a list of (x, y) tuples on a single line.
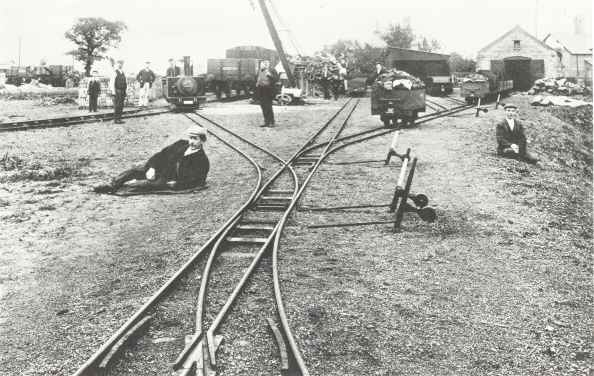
[(393, 103), (431, 67), (484, 85), (224, 75)]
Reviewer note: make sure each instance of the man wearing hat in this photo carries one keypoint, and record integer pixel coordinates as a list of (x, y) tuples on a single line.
[(118, 88), (511, 140), (145, 78), (172, 71), (181, 165)]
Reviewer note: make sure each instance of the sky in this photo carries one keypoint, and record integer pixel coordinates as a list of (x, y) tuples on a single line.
[(204, 29)]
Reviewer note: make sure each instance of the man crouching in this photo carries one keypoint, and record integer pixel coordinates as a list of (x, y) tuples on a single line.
[(181, 165), (511, 140)]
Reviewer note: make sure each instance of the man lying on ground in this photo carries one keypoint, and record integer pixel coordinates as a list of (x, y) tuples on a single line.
[(511, 140), (181, 165)]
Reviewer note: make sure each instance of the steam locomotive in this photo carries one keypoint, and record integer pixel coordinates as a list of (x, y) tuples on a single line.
[(185, 91)]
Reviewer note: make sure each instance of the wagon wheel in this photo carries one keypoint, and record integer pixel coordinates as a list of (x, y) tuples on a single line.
[(284, 99)]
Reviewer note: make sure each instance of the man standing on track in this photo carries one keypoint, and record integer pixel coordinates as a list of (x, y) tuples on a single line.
[(265, 92), (145, 78), (511, 140), (118, 87)]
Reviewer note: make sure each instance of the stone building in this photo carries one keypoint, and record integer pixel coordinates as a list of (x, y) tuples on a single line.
[(575, 51), (519, 56)]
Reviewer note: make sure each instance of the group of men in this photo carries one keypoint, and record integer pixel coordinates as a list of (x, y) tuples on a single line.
[(118, 87)]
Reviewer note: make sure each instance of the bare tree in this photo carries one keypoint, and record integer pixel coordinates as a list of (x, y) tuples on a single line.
[(93, 37)]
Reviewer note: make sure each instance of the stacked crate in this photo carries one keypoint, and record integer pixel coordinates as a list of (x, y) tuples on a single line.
[(105, 99)]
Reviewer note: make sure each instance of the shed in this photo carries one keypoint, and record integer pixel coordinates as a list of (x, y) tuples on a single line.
[(519, 56), (418, 63), (574, 50)]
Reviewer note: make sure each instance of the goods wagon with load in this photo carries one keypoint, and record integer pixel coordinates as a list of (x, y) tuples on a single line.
[(224, 75), (396, 95), (484, 85), (185, 91), (432, 68)]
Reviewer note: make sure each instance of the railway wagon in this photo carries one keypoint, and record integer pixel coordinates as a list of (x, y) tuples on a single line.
[(484, 85), (224, 75), (252, 52), (432, 68), (357, 86), (392, 104)]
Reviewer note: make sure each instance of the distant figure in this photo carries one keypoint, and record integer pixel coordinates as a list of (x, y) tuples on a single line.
[(181, 165), (379, 70), (265, 92), (145, 78), (511, 140), (325, 81), (172, 71), (93, 91), (118, 87)]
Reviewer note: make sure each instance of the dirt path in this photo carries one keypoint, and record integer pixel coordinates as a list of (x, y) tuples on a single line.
[(500, 284)]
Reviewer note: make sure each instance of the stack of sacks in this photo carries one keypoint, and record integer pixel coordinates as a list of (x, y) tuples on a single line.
[(105, 98), (394, 79)]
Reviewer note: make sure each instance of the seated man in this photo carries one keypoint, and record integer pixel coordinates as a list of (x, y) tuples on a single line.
[(181, 165), (511, 141)]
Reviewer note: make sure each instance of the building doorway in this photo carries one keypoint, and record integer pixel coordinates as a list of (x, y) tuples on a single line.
[(517, 68)]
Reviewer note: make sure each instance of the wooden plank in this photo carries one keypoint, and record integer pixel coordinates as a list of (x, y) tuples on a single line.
[(280, 341), (279, 191), (237, 239), (255, 227), (126, 339)]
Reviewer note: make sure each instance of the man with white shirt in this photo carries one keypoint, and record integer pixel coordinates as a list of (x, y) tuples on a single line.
[(118, 88), (181, 165), (511, 140)]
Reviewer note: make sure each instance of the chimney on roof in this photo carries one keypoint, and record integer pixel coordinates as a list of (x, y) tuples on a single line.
[(578, 25)]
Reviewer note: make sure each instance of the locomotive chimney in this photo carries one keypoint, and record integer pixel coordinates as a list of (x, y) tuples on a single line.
[(187, 66)]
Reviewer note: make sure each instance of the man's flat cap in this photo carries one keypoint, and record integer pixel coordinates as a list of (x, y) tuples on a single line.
[(510, 105)]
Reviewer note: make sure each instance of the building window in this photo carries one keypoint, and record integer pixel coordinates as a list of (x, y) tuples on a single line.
[(516, 45)]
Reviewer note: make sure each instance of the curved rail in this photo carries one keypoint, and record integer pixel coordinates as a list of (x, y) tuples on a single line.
[(276, 281), (157, 296)]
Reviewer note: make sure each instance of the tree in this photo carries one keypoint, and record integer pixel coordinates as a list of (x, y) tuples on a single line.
[(425, 45), (397, 35), (361, 57), (460, 64), (94, 36)]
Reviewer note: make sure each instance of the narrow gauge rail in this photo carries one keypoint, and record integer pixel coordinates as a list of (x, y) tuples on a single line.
[(66, 121), (380, 131), (100, 357)]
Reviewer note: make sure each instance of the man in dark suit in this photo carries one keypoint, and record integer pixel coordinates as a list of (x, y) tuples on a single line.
[(93, 91), (172, 71), (118, 87), (511, 140), (181, 165), (265, 91)]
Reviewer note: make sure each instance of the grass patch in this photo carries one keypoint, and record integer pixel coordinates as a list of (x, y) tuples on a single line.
[(20, 170)]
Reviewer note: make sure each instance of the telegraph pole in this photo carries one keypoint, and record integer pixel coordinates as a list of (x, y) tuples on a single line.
[(277, 43), (20, 40)]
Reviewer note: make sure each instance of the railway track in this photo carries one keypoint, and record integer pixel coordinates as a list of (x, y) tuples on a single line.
[(66, 121), (250, 232)]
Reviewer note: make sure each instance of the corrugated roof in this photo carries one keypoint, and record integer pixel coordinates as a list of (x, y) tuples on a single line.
[(575, 44), (408, 53)]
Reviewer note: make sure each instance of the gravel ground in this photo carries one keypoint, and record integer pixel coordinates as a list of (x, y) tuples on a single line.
[(500, 284)]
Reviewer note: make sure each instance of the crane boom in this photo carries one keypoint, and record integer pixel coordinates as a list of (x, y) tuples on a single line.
[(277, 43)]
